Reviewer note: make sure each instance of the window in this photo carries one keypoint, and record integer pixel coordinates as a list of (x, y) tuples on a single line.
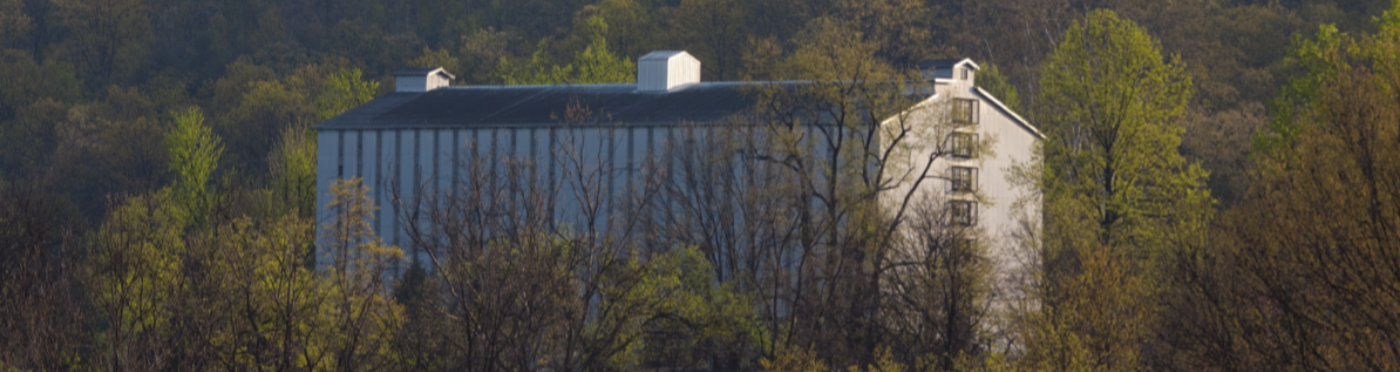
[(966, 73), (963, 179), (965, 111), (961, 144), (962, 213)]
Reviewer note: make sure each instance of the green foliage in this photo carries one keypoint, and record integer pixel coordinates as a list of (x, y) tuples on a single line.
[(632, 30), (1109, 102), (900, 30), (346, 90), (293, 167), (13, 21), (796, 360), (136, 267), (1291, 109), (194, 153), (1300, 258), (1119, 198), (593, 65), (479, 54), (109, 38), (265, 105), (258, 302), (348, 241), (112, 147), (535, 72), (28, 80), (31, 139), (702, 319), (1097, 324), (177, 273), (30, 105), (356, 264), (991, 79), (992, 362), (596, 64), (714, 31)]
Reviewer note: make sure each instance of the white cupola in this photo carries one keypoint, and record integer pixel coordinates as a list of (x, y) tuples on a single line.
[(962, 70), (664, 70), (421, 79)]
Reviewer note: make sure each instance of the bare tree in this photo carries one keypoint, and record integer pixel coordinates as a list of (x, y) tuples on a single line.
[(939, 286), (41, 307), (538, 269), (804, 203), (136, 282)]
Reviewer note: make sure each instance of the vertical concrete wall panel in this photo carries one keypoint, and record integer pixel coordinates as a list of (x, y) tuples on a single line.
[(461, 148), (388, 173), (442, 154), (521, 140), (329, 152), (407, 180), (370, 156), (637, 151)]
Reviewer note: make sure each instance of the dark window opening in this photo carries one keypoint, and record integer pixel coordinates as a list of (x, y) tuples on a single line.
[(962, 144), (965, 111), (962, 213), (963, 179)]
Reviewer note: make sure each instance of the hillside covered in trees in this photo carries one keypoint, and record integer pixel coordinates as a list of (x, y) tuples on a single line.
[(1220, 186)]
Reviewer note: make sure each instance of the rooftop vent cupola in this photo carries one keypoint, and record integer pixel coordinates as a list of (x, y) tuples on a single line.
[(421, 79), (663, 70), (962, 70)]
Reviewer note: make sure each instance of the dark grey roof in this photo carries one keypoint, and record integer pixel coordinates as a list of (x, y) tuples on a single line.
[(942, 63), (505, 106), (660, 55), (415, 71)]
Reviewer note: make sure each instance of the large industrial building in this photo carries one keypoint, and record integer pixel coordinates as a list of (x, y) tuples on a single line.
[(415, 135)]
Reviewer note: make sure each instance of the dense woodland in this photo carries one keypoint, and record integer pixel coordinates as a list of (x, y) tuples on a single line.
[(1220, 190)]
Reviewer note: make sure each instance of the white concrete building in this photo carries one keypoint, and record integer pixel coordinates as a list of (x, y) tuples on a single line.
[(412, 136)]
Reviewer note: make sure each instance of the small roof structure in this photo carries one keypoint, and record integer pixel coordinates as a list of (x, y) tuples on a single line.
[(662, 55), (940, 64), (424, 71)]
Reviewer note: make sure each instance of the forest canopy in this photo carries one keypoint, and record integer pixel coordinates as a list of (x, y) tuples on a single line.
[(1219, 183)]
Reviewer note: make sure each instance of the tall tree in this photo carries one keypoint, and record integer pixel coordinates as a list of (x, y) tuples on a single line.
[(292, 164), (136, 265), (715, 31), (900, 29), (194, 154), (1304, 271), (346, 90), (1109, 104), (356, 266), (1117, 192), (107, 38), (807, 210), (41, 306), (592, 65), (13, 20), (632, 30)]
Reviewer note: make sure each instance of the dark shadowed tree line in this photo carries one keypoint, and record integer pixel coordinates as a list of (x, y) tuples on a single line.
[(1217, 191)]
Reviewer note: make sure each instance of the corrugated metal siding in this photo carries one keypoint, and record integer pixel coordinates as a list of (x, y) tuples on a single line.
[(431, 157), (651, 75), (684, 69), (328, 163), (416, 84)]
